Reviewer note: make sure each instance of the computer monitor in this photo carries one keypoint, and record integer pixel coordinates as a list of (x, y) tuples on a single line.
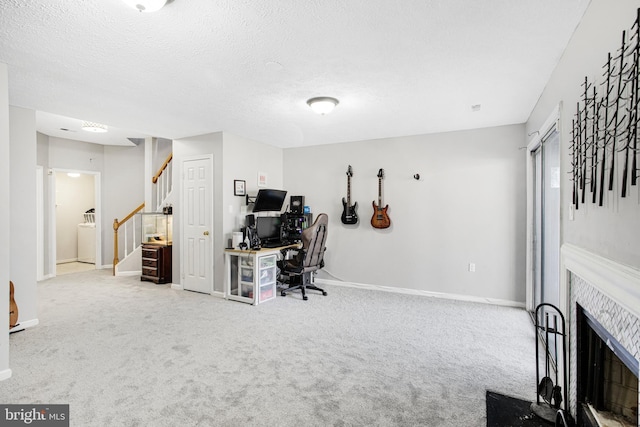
[(268, 228), (269, 200)]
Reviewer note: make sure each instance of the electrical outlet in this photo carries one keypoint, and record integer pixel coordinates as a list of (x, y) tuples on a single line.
[(472, 267)]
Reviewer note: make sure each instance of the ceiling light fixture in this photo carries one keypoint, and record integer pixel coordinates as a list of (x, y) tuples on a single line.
[(322, 104), (146, 5), (94, 127)]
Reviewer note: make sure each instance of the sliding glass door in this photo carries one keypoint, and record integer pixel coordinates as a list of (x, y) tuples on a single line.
[(546, 220)]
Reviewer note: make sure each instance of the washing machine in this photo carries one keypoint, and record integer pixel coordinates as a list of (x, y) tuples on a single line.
[(87, 242)]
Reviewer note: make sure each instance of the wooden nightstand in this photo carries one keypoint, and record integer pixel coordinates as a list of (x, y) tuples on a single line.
[(156, 263)]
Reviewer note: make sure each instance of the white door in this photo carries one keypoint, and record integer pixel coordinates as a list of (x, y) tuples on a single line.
[(197, 196)]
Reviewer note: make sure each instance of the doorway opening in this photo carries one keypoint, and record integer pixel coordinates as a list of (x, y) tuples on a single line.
[(74, 228)]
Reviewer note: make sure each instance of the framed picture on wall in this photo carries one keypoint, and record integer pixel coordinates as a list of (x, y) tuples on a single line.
[(262, 179), (239, 187)]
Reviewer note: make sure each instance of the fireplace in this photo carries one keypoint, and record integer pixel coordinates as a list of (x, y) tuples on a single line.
[(607, 381), (603, 302)]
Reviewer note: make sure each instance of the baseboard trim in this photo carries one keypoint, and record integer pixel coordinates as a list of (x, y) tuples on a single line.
[(407, 291), (5, 375), (129, 273), (177, 287), (24, 325)]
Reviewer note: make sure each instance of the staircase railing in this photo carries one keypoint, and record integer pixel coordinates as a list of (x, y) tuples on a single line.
[(131, 239), (164, 182)]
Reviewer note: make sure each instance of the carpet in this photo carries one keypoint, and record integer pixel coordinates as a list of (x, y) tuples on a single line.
[(506, 411), (126, 353)]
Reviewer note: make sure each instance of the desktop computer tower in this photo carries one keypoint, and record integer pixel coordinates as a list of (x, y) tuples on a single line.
[(291, 230), (293, 224)]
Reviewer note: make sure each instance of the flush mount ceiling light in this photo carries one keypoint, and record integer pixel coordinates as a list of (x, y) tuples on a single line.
[(146, 5), (94, 127), (322, 104)]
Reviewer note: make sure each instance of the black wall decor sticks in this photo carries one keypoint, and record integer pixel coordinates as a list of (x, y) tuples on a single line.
[(605, 127)]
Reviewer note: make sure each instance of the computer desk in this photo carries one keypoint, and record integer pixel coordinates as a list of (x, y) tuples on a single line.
[(251, 275)]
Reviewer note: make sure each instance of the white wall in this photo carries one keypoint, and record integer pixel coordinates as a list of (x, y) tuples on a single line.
[(243, 159), (612, 231), (75, 155), (74, 196), (161, 150), (22, 129), (467, 207), (5, 198), (122, 190)]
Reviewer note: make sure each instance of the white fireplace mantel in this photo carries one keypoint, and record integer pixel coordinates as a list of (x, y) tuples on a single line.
[(619, 282)]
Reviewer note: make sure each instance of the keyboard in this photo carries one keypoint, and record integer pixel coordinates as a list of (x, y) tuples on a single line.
[(272, 244)]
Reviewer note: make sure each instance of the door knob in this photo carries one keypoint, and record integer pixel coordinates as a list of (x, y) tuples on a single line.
[(206, 233)]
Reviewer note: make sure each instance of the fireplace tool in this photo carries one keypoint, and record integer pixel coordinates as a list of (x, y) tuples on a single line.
[(551, 390)]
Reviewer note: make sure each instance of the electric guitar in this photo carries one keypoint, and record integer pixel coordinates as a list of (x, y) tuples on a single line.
[(13, 308), (349, 215), (380, 219)]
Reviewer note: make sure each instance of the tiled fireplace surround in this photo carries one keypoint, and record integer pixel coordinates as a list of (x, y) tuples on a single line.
[(610, 292)]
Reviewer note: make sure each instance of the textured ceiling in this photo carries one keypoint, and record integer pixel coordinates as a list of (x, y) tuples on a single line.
[(398, 67)]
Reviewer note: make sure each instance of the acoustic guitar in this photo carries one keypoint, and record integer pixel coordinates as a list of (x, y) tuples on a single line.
[(349, 215), (13, 308), (380, 219)]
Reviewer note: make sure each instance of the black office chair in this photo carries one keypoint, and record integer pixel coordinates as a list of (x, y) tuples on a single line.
[(296, 272)]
